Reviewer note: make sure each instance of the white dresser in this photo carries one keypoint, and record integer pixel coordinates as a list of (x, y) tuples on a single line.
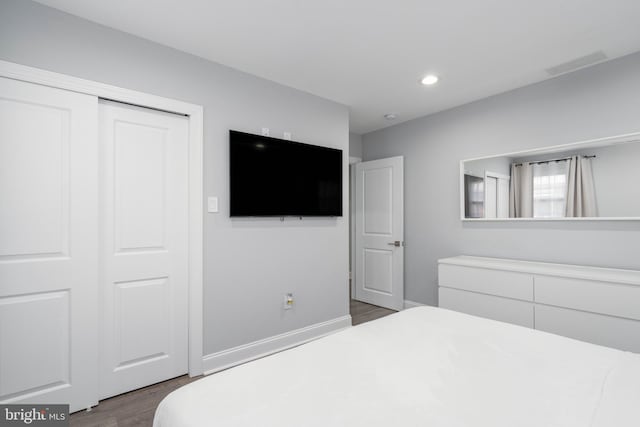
[(598, 305)]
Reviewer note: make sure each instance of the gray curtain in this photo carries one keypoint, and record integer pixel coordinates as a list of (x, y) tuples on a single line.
[(521, 191), (581, 193)]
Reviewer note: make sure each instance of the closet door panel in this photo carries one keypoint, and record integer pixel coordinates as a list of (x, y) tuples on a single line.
[(144, 288), (48, 245)]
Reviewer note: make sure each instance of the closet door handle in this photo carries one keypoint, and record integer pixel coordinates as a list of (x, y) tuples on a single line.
[(395, 243)]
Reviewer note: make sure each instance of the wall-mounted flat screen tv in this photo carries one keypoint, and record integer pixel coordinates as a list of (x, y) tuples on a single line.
[(277, 177)]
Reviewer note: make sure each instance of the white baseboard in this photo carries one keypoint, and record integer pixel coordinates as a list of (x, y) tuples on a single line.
[(215, 362), (411, 304)]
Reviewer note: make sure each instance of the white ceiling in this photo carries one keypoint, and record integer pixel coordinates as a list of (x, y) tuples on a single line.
[(371, 54)]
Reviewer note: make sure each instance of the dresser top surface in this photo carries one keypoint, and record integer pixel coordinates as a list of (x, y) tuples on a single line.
[(631, 277)]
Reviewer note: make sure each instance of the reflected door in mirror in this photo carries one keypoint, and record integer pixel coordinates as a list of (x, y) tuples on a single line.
[(474, 196)]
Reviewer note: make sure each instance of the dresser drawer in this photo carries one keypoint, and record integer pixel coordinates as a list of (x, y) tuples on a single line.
[(494, 282), (597, 297), (615, 332), (490, 307)]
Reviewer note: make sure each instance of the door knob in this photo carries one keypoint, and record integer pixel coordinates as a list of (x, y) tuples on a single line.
[(395, 243)]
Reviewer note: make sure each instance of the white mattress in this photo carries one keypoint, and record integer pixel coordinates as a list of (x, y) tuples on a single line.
[(421, 367)]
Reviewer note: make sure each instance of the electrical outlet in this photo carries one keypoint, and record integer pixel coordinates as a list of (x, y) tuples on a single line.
[(288, 301), (265, 131), (287, 136)]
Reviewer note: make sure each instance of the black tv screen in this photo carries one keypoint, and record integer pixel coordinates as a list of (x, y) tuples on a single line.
[(276, 177)]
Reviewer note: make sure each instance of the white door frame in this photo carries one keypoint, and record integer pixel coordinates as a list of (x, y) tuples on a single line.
[(196, 178), (352, 219)]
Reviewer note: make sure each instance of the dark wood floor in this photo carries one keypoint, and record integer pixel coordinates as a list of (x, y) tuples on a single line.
[(137, 408), (362, 312)]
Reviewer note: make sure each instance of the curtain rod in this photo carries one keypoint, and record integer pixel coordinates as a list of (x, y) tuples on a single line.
[(554, 160)]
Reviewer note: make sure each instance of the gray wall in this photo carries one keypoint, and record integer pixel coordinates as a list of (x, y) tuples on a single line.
[(501, 165), (249, 264), (595, 102), (616, 174), (355, 145)]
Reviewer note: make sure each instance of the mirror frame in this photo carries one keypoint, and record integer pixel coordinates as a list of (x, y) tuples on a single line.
[(590, 143)]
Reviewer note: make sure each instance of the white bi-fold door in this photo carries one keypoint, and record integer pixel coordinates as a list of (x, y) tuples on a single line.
[(48, 245), (144, 247), (379, 229)]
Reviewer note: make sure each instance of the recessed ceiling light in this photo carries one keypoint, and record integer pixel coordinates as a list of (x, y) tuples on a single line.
[(390, 116), (429, 80)]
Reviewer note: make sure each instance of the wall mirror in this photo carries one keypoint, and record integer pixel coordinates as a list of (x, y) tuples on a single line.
[(595, 179)]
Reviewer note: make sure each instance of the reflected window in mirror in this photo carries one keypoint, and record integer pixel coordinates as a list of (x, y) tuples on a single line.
[(550, 189), (555, 188), (592, 179)]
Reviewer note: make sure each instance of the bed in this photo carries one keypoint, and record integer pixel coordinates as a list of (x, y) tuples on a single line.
[(424, 366)]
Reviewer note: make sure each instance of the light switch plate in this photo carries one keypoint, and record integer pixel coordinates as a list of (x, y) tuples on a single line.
[(212, 204)]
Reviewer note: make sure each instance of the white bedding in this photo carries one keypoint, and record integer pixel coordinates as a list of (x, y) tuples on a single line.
[(421, 367)]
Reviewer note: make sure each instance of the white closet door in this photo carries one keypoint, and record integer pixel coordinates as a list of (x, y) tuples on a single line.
[(144, 223), (48, 245)]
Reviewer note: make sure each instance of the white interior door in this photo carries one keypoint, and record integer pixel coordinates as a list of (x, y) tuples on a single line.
[(48, 245), (490, 197), (503, 197), (379, 229), (144, 225), (496, 202)]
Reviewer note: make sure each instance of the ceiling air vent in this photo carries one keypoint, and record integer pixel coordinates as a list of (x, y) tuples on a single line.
[(574, 64)]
